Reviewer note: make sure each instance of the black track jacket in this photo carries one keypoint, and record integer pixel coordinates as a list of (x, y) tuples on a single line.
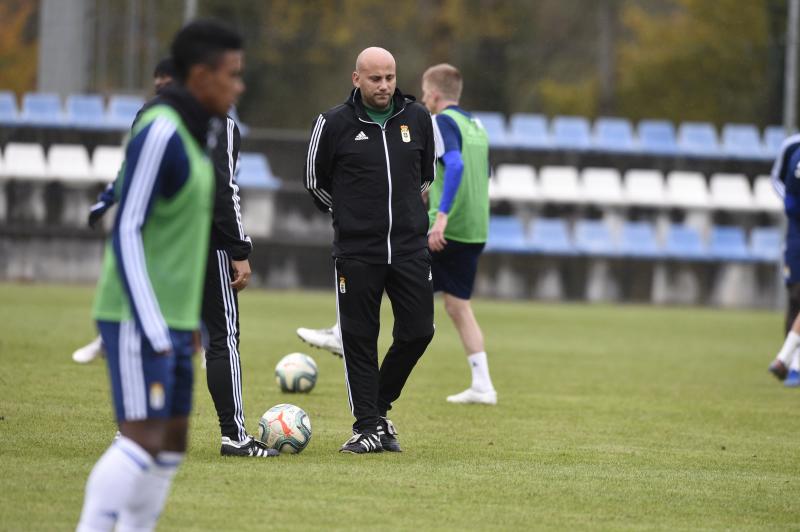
[(371, 178)]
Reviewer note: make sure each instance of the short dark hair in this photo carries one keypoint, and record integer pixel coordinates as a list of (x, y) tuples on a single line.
[(202, 42), (164, 68)]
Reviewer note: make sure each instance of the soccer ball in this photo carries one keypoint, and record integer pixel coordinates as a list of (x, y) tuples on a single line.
[(296, 372), (286, 428)]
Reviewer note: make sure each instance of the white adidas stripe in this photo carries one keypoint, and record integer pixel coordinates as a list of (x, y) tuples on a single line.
[(231, 316)]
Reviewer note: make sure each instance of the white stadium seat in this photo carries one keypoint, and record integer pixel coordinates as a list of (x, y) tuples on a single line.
[(731, 192), (764, 195), (68, 162), (106, 162), (24, 160), (559, 184), (514, 182), (687, 190), (602, 186), (645, 188)]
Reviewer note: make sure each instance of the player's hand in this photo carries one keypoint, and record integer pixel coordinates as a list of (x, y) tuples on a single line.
[(197, 341), (241, 273), (436, 241)]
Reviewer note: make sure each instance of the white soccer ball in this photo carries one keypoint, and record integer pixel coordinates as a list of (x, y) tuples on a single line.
[(286, 428), (296, 372)]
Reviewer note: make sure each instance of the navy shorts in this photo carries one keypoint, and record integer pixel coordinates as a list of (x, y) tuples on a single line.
[(791, 265), (144, 384), (454, 268)]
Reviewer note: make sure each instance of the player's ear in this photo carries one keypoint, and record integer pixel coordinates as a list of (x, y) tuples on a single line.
[(356, 79)]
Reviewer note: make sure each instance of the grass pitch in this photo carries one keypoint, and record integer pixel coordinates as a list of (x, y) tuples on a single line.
[(609, 418)]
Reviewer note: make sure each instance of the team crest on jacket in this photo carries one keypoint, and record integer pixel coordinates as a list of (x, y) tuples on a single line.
[(157, 398), (405, 134), (342, 285)]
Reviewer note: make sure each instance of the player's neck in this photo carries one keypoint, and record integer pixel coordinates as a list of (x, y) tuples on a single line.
[(444, 104)]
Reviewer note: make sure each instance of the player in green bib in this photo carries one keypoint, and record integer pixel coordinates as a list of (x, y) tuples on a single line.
[(459, 217), (150, 291)]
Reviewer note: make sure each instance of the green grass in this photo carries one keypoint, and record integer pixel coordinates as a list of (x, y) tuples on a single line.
[(609, 418)]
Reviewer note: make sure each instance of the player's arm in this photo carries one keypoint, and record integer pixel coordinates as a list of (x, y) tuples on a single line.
[(791, 179), (448, 147), (227, 206), (155, 164), (319, 162)]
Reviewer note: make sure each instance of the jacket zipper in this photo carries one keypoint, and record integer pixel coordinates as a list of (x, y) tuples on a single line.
[(389, 178)]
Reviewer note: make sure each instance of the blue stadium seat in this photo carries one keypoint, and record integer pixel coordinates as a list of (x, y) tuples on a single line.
[(529, 131), (506, 235), (254, 172), (766, 244), (550, 236), (638, 240), (571, 132), (8, 108), (741, 141), (42, 109), (684, 242), (592, 237), (773, 138), (657, 137), (698, 138), (495, 125), (122, 111), (728, 243), (613, 134), (85, 110)]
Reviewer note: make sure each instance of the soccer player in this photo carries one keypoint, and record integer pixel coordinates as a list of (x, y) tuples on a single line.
[(149, 295), (368, 160), (786, 179), (458, 208)]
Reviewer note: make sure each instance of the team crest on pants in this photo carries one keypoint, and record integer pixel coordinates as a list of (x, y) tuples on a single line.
[(405, 133), (157, 398), (342, 285)]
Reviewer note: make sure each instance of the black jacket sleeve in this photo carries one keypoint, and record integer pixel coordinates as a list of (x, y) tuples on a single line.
[(428, 154), (319, 162), (227, 230)]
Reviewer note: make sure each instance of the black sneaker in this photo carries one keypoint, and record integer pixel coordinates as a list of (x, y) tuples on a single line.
[(362, 442), (388, 436), (248, 447)]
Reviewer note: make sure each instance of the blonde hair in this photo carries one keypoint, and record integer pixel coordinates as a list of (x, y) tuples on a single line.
[(446, 78)]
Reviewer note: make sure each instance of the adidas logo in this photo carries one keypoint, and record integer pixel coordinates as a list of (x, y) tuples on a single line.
[(362, 136)]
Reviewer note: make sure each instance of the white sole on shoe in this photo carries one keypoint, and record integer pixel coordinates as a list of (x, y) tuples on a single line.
[(470, 396), (321, 339), (88, 353)]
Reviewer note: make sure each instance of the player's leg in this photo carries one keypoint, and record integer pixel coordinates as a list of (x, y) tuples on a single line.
[(141, 382), (454, 270), (780, 366), (410, 289), (359, 288), (329, 339), (145, 507), (223, 363), (89, 352)]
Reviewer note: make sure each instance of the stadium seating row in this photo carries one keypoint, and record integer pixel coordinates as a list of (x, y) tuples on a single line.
[(617, 135), (551, 236), (81, 110), (71, 163), (648, 188)]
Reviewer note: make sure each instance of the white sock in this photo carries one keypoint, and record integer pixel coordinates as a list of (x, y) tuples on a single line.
[(791, 343), (145, 507), (795, 363), (481, 382), (114, 480)]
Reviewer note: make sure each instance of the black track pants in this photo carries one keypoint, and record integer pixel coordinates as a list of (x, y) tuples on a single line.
[(223, 367), (359, 290)]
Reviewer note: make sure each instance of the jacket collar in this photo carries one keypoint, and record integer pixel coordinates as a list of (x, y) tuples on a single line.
[(355, 101), (194, 116)]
